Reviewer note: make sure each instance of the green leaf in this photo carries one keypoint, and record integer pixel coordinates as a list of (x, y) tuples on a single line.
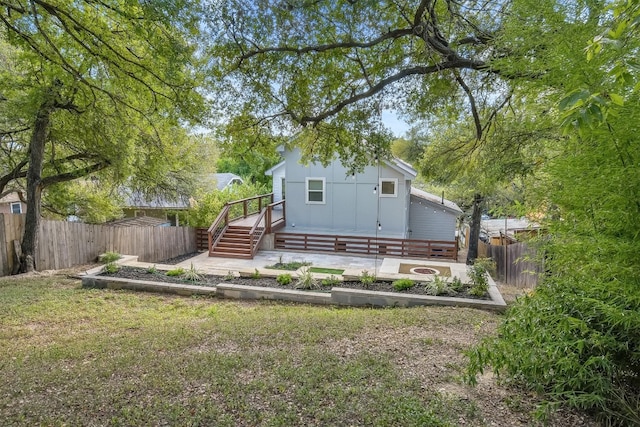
[(616, 99)]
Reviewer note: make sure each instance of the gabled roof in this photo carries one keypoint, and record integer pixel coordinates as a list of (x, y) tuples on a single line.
[(223, 180), (447, 204), (269, 172), (403, 167), (396, 164), (138, 200)]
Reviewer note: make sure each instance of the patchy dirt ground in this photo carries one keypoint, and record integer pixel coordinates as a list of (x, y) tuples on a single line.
[(206, 280), (433, 354)]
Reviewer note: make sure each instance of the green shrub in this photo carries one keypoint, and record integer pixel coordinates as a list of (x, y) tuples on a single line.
[(478, 273), (306, 279), (284, 279), (403, 284), (367, 279), (109, 257), (192, 274), (437, 286), (331, 281), (175, 272), (229, 276), (456, 285), (574, 340), (152, 269), (111, 268), (256, 274)]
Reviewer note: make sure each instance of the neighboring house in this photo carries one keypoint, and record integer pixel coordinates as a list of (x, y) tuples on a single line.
[(11, 203), (137, 205), (505, 231), (379, 202), (226, 180), (140, 221)]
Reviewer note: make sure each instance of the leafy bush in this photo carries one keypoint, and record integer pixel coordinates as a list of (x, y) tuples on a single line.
[(367, 279), (111, 268), (576, 341), (175, 272), (192, 274), (207, 205), (152, 269), (109, 257), (256, 274), (456, 284), (478, 274), (284, 279), (437, 286), (403, 284), (306, 279), (229, 276), (330, 281)]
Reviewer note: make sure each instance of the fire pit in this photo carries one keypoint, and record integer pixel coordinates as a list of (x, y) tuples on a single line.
[(424, 270)]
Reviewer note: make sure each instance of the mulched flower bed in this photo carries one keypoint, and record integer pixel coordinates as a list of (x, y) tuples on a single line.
[(136, 273)]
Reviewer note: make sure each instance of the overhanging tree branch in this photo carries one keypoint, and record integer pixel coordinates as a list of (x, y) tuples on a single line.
[(420, 70)]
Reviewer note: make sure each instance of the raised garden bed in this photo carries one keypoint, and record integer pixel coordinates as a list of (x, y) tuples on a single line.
[(137, 273), (257, 285)]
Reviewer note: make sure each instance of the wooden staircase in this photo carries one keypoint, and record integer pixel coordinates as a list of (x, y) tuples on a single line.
[(234, 243)]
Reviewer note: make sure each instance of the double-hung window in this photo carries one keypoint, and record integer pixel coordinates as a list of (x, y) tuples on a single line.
[(16, 208), (388, 187), (315, 190)]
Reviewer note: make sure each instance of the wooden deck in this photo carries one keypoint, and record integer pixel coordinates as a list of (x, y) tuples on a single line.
[(367, 245), (251, 220)]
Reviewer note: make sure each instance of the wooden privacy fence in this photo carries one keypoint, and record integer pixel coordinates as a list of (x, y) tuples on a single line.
[(65, 244), (516, 264), (367, 245)]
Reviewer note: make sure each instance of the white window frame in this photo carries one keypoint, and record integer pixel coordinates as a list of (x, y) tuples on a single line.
[(395, 187), (324, 191), (14, 204)]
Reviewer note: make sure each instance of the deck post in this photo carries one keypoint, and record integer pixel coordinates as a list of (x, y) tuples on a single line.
[(268, 220), (244, 209)]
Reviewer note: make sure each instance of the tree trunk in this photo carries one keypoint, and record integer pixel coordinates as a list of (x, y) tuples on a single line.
[(474, 233), (34, 182)]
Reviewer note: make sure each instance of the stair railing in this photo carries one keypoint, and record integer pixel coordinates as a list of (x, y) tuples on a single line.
[(256, 233), (218, 228)]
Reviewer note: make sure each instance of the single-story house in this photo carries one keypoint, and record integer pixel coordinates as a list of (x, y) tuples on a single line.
[(379, 201), (137, 205), (504, 231)]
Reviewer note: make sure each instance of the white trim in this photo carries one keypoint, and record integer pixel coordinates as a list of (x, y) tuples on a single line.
[(12, 204), (395, 187), (324, 191)]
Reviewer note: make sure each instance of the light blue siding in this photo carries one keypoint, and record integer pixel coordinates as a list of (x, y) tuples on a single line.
[(430, 221), (351, 205)]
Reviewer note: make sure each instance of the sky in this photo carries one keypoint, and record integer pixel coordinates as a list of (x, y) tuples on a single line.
[(397, 125)]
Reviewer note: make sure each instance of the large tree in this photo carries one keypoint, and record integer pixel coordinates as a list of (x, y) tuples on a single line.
[(576, 338), (331, 67), (98, 84)]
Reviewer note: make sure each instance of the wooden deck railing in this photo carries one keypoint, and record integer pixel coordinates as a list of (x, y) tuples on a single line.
[(262, 205), (250, 206), (218, 227), (272, 224), (368, 245)]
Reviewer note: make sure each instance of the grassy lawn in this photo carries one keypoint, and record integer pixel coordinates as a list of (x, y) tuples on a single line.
[(71, 356)]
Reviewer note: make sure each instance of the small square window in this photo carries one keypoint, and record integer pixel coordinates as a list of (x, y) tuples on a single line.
[(388, 188), (315, 190), (16, 208)]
